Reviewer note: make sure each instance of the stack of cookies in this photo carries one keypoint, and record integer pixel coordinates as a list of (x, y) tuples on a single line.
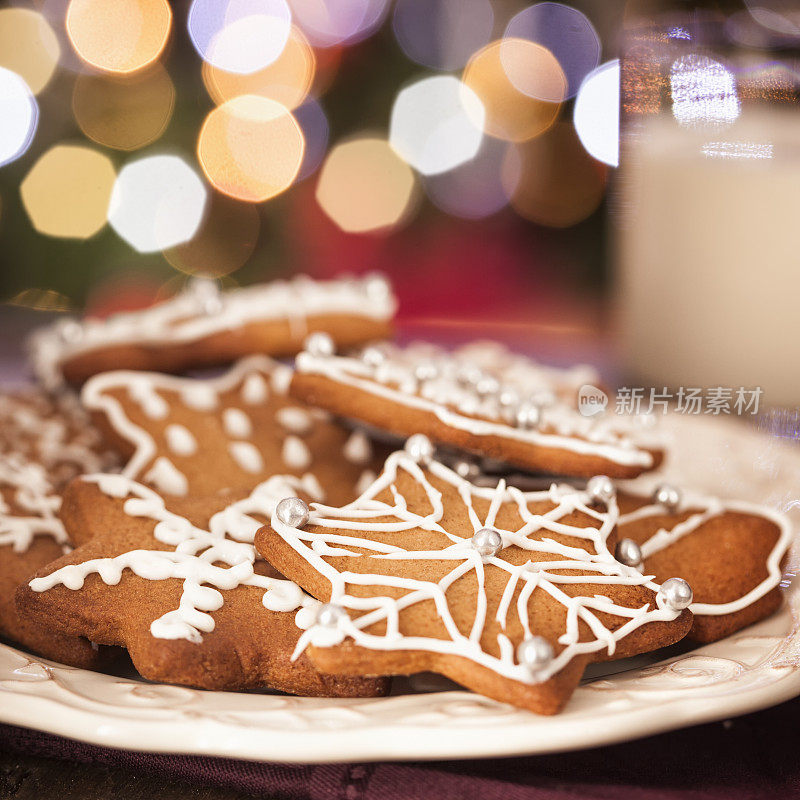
[(353, 512)]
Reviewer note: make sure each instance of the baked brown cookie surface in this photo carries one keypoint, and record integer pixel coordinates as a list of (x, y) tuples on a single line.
[(181, 588), (509, 409), (730, 552), (192, 436), (42, 445), (205, 326), (510, 594)]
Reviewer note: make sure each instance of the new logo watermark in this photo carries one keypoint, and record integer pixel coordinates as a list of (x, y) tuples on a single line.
[(591, 400)]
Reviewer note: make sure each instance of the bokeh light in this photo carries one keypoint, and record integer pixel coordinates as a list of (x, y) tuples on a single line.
[(41, 300), (66, 192), (557, 183), (287, 79), (251, 148), (596, 113), (28, 46), (703, 92), (442, 34), (225, 240), (478, 188), (125, 114), (331, 22), (314, 124), (365, 186), (241, 36), (19, 113), (119, 35), (510, 113), (567, 34), (157, 202), (437, 124)]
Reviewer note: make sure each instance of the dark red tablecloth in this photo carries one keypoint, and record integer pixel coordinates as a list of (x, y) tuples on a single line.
[(756, 756)]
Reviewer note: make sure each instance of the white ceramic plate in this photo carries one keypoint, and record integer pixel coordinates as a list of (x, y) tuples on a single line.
[(754, 669)]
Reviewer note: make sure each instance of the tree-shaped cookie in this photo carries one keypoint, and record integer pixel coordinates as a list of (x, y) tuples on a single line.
[(509, 593)]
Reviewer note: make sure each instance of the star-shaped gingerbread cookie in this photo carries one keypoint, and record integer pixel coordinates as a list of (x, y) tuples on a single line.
[(503, 406), (730, 552), (205, 326), (508, 593), (196, 436), (181, 588)]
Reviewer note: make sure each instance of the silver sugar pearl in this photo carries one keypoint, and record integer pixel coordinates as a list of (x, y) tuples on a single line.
[(487, 385), (426, 371), (629, 553), (377, 286), (601, 489), (508, 397), (487, 542), (373, 356), (420, 448), (469, 374), (466, 469), (667, 496), (535, 653), (543, 398), (329, 615), (206, 294), (676, 593), (528, 416), (292, 511), (319, 344)]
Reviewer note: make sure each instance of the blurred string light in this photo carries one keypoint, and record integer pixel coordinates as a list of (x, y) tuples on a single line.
[(568, 35), (510, 113), (287, 80), (364, 186), (314, 125), (551, 179), (478, 188), (437, 124), (41, 300), (66, 192), (125, 114), (157, 202), (596, 113), (442, 34), (703, 92), (251, 148), (331, 22), (226, 239), (118, 35), (19, 113), (241, 36), (28, 46)]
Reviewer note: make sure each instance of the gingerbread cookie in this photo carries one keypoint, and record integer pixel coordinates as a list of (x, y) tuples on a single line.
[(203, 326), (41, 446), (509, 593), (182, 589), (188, 436), (730, 552), (516, 412)]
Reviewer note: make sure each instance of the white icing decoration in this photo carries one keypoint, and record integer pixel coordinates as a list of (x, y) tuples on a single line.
[(208, 562), (295, 453), (200, 396), (597, 566), (184, 319), (255, 391), (358, 449), (365, 480), (180, 440), (164, 475), (707, 509), (246, 455), (457, 402), (294, 419), (236, 423), (281, 378)]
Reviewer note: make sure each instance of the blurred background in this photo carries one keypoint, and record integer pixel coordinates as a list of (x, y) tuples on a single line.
[(468, 148)]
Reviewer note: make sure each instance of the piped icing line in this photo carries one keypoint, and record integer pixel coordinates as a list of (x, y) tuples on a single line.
[(144, 388), (600, 568), (196, 556), (396, 383), (35, 509), (708, 508), (202, 310)]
